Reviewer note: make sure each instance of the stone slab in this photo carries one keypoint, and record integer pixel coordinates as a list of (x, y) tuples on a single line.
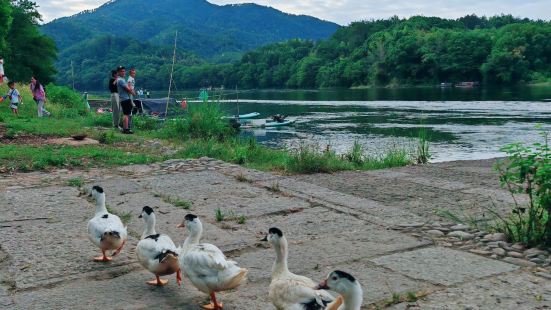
[(442, 265), (125, 292), (211, 190), (379, 213), (53, 247), (509, 291)]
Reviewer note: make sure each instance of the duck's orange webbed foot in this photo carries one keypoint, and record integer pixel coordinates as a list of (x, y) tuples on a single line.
[(157, 282), (103, 258), (118, 251), (214, 305), (179, 277)]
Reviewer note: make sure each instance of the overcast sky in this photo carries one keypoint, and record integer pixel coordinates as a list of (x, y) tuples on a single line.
[(345, 11)]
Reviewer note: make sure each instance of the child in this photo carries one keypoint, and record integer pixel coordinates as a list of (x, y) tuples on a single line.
[(14, 96)]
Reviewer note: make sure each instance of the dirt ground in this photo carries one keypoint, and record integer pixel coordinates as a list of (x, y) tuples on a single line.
[(339, 221)]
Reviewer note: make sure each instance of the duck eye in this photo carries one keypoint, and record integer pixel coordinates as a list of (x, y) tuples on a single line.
[(334, 278)]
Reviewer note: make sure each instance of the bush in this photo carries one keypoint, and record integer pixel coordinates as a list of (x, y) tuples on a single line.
[(308, 159), (101, 120), (527, 170), (145, 122), (205, 121), (106, 137), (71, 103)]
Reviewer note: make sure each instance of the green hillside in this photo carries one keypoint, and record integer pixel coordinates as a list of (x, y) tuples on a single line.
[(205, 29)]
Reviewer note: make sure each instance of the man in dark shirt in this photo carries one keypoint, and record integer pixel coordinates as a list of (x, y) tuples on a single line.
[(115, 101)]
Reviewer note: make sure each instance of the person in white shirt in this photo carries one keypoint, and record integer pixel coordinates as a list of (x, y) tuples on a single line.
[(136, 104), (15, 98)]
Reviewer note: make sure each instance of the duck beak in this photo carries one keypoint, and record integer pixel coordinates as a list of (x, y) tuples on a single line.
[(181, 225), (322, 286), (265, 238)]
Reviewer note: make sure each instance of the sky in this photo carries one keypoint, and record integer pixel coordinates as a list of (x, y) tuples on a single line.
[(345, 11)]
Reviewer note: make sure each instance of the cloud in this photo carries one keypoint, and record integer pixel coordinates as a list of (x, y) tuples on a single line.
[(346, 11), (51, 9)]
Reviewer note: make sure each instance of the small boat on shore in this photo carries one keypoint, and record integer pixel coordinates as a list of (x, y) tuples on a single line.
[(243, 116)]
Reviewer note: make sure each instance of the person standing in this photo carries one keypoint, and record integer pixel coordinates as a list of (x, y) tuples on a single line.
[(39, 96), (15, 98), (124, 96), (115, 100), (1, 70)]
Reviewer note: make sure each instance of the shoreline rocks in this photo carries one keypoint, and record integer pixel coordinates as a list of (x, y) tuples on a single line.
[(491, 245)]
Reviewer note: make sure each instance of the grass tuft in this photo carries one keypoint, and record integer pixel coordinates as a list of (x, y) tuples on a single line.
[(219, 215), (75, 182)]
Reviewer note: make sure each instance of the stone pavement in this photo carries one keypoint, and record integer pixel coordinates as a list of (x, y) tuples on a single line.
[(342, 221)]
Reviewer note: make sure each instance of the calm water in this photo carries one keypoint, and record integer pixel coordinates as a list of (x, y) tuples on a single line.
[(462, 123)]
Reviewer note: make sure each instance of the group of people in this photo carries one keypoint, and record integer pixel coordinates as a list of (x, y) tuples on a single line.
[(15, 98), (123, 98)]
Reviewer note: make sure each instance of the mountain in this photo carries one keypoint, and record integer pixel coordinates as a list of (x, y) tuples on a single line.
[(208, 30)]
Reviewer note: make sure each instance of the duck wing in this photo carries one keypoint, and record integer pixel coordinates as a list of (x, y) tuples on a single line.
[(299, 293), (154, 248), (206, 257)]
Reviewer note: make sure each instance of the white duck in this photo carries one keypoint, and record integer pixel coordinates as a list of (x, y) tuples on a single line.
[(206, 266), (105, 230), (156, 252), (289, 291), (350, 290)]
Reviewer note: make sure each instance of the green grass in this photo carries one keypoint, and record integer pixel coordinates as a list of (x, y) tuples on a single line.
[(126, 217), (30, 158), (219, 215), (200, 133), (75, 182), (242, 178), (175, 201), (423, 147), (274, 187)]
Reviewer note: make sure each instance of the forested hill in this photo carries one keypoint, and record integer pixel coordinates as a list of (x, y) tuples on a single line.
[(417, 50), (206, 29)]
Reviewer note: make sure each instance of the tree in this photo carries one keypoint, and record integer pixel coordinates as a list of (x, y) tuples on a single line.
[(5, 24), (29, 52)]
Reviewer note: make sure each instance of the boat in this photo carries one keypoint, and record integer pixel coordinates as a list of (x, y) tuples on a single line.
[(279, 124), (243, 116), (467, 84)]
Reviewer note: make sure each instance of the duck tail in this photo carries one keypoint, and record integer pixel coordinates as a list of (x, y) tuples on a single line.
[(237, 279), (110, 239)]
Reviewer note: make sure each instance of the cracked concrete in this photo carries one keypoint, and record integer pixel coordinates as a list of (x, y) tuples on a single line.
[(339, 221)]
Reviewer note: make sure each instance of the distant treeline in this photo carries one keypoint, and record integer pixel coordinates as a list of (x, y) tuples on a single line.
[(394, 51), (25, 50)]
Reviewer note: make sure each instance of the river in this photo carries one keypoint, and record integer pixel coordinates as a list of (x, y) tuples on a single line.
[(462, 124)]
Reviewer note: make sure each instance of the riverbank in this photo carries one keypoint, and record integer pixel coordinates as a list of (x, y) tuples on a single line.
[(363, 222), (30, 143)]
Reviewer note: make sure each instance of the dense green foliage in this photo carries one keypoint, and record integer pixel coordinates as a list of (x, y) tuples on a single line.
[(206, 29), (25, 50), (417, 50), (93, 60), (528, 171)]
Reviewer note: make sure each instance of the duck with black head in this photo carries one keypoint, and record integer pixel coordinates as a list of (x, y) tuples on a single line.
[(289, 291), (206, 266), (347, 286), (156, 252), (105, 230)]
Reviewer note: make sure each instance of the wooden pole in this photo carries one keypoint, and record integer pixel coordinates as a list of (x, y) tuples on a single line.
[(171, 74)]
